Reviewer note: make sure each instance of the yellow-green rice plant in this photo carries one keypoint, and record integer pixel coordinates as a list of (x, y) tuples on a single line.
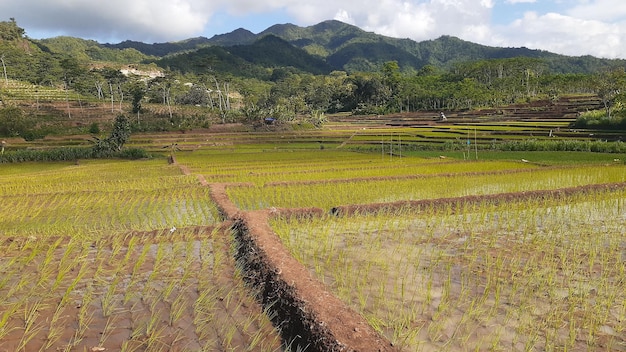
[(515, 267), (178, 307), (108, 299), (56, 327), (5, 328), (32, 326), (329, 194)]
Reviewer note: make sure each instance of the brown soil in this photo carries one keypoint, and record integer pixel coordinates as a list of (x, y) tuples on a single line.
[(308, 314), (459, 202)]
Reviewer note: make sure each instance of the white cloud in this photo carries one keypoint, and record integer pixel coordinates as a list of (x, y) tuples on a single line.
[(245, 7), (565, 35), (415, 19), (112, 19), (343, 16), (601, 10), (521, 1)]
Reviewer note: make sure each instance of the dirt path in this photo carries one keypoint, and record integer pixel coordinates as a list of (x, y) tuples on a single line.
[(308, 314)]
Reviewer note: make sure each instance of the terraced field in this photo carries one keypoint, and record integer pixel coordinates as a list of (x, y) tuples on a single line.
[(119, 256), (437, 254), (340, 247)]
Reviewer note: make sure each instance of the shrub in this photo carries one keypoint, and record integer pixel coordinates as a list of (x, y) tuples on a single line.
[(68, 154), (57, 154), (94, 128), (598, 120), (562, 145), (13, 122), (133, 154), (116, 140)]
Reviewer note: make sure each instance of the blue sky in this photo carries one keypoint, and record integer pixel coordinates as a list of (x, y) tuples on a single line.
[(570, 27), (504, 13), (223, 22)]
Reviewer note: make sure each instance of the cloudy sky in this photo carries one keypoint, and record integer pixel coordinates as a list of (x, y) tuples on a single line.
[(570, 27)]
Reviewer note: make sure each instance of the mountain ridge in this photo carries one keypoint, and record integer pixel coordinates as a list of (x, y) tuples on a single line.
[(349, 48)]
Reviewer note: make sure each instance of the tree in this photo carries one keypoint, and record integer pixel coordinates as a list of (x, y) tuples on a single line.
[(160, 90), (4, 68), (13, 122), (391, 80), (10, 30), (137, 92), (47, 70), (197, 95), (609, 86), (287, 96), (116, 140), (121, 132), (71, 72), (370, 93), (114, 78), (318, 93)]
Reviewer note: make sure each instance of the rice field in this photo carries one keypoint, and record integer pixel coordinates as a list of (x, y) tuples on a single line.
[(521, 276), (119, 256), (135, 256), (533, 274), (327, 195)]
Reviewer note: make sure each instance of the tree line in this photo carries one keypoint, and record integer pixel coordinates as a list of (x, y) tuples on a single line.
[(287, 93)]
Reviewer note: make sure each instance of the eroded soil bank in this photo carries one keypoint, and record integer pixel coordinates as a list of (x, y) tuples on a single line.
[(309, 316)]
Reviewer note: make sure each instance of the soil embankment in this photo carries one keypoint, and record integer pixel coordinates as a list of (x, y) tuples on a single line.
[(310, 317), (453, 204)]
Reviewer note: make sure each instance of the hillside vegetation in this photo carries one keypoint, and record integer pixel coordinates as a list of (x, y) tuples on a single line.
[(288, 73)]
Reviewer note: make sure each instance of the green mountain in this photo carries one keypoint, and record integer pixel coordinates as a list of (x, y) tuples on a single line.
[(271, 51), (253, 60), (161, 49), (237, 37), (371, 56), (212, 60), (347, 47), (90, 50), (317, 49), (23, 59)]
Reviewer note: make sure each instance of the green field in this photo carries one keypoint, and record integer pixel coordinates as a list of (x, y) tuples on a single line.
[(134, 255), (127, 256), (534, 275)]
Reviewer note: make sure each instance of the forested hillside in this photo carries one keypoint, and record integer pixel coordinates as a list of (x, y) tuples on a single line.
[(290, 72), (344, 47), (350, 48)]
